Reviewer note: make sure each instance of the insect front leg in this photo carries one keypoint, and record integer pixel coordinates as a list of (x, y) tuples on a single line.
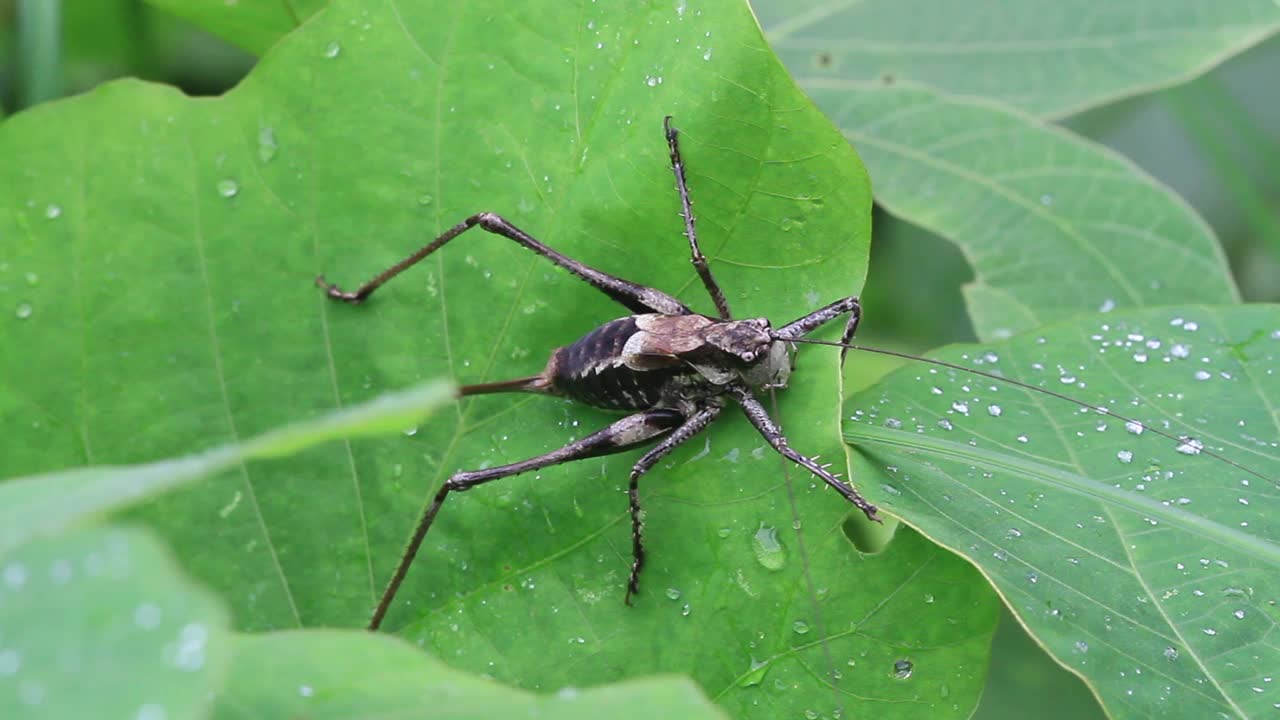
[(629, 432), (686, 211), (816, 319), (694, 425), (756, 413), (633, 296)]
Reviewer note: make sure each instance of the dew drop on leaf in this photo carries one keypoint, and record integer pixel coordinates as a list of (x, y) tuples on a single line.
[(228, 188), (768, 549)]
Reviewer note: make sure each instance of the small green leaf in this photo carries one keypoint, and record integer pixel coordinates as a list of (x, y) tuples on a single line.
[(1147, 564), (1052, 225), (45, 503), (254, 25), (322, 674), (102, 624)]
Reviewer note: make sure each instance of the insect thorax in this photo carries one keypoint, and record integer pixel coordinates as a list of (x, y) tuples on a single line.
[(675, 361)]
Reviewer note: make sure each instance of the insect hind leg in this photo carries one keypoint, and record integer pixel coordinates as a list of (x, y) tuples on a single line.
[(629, 432), (633, 296)]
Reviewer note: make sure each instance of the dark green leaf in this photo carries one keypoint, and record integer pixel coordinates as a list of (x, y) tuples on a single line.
[(1051, 224), (1046, 57)]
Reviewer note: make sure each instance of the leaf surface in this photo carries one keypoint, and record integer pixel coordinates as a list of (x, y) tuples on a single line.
[(1148, 565)]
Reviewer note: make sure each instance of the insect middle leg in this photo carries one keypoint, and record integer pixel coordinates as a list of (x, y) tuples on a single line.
[(629, 432), (686, 211), (633, 296)]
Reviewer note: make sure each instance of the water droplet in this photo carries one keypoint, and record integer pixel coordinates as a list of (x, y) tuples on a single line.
[(306, 690), (332, 49), (425, 200), (228, 188), (147, 616), (1107, 305), (10, 661), (652, 80), (1238, 614), (945, 424), (960, 407), (1023, 439), (893, 423), (673, 593), (759, 669), (151, 711), (1190, 446), (902, 669), (24, 311), (1210, 631), (53, 212), (1082, 646), (707, 55), (769, 551), (1171, 653), (32, 278), (1180, 351), (188, 654), (800, 627), (410, 432), (1125, 456), (267, 146), (995, 410), (1046, 200), (1013, 534), (1203, 375), (1134, 427), (724, 532)]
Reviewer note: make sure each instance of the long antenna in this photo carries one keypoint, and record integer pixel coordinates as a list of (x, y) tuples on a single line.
[(1186, 441)]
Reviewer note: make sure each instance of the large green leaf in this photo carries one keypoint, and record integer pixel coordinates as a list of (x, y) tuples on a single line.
[(1051, 224), (1046, 57), (323, 674), (99, 623), (160, 253), (1146, 564)]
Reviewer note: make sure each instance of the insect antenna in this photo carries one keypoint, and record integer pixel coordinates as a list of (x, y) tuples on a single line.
[(1183, 441)]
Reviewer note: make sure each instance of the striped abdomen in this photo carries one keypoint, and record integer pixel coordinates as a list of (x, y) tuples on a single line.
[(598, 370)]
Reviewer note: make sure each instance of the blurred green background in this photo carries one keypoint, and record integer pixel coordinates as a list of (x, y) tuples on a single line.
[(1216, 141)]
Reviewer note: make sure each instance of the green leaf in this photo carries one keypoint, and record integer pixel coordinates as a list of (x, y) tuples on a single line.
[(342, 674), (1051, 224), (161, 282), (39, 504), (101, 623), (1045, 57), (254, 26), (1146, 564)]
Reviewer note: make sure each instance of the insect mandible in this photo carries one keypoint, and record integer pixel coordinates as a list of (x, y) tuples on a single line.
[(674, 371)]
